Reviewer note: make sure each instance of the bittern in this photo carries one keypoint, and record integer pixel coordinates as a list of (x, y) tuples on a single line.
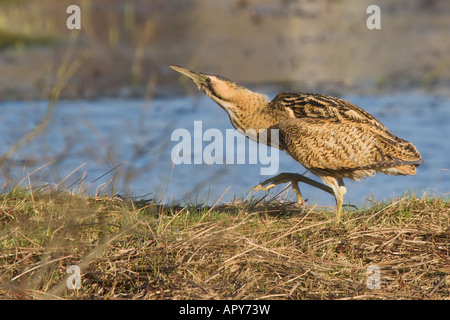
[(331, 137)]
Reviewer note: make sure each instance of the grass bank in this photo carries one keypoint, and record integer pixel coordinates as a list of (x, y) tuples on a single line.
[(137, 249)]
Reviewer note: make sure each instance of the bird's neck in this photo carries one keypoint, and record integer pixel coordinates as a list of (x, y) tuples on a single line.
[(251, 114), (249, 110)]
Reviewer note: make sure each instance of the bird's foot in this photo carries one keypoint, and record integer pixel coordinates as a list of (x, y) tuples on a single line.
[(293, 178)]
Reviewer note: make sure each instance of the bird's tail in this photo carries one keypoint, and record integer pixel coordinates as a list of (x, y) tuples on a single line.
[(401, 170)]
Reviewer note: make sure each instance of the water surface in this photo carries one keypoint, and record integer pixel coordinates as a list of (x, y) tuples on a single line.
[(135, 135)]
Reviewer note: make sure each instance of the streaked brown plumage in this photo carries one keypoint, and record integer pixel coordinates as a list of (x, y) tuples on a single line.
[(348, 141), (330, 137)]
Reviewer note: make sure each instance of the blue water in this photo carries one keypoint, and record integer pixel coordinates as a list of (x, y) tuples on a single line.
[(135, 135)]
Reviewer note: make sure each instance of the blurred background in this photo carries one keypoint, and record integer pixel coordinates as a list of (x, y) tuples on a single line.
[(125, 46), (118, 102)]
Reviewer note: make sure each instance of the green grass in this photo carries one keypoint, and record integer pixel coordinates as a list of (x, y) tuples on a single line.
[(9, 39), (142, 250)]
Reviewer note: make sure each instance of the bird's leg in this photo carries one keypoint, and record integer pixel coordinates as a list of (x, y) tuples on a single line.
[(300, 200), (339, 201), (342, 191), (337, 185), (294, 178)]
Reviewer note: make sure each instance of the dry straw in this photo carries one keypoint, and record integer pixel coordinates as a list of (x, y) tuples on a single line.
[(137, 249)]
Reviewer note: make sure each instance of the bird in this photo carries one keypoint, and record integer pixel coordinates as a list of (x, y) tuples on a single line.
[(331, 137)]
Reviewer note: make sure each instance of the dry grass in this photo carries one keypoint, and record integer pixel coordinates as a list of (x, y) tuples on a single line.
[(140, 250)]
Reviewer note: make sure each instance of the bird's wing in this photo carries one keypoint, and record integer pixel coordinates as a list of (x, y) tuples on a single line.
[(344, 145), (330, 133), (317, 106)]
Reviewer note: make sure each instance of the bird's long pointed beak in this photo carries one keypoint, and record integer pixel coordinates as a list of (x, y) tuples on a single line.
[(198, 78)]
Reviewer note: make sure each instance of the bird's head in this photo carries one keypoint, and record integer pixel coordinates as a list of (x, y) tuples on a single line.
[(228, 94)]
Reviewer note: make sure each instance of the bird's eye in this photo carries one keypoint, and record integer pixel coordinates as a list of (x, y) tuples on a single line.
[(208, 80)]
